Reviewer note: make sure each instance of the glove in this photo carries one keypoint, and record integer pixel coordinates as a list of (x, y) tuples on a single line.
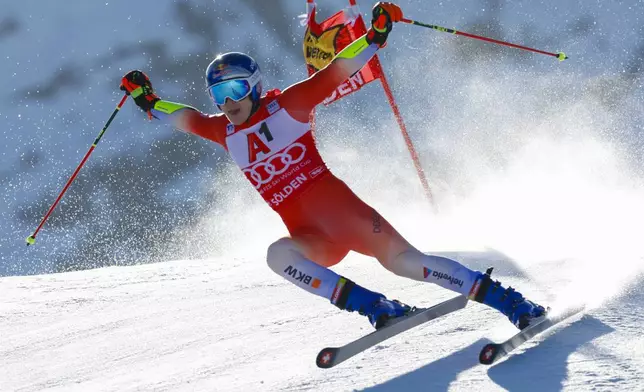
[(383, 15), (138, 85)]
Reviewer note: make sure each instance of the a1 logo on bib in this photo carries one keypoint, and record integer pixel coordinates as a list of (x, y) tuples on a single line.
[(256, 145)]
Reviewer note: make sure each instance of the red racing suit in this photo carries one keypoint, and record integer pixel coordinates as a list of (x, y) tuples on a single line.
[(276, 151)]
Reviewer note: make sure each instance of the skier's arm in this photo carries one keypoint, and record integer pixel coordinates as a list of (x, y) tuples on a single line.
[(183, 117), (188, 119), (302, 97)]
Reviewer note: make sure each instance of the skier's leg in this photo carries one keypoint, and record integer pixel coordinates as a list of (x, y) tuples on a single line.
[(479, 287), (456, 277), (364, 230), (292, 260), (286, 257), (447, 273), (359, 227)]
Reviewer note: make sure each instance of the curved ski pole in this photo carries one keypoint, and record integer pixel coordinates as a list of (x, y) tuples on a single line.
[(559, 55), (32, 238)]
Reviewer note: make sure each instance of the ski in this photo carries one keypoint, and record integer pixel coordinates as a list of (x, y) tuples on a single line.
[(332, 356), (493, 352)]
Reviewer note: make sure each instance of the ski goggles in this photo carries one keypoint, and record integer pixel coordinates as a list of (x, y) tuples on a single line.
[(235, 89)]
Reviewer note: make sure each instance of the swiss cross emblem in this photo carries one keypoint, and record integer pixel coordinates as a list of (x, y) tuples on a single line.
[(326, 358)]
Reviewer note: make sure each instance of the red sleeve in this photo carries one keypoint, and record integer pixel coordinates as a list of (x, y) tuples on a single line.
[(300, 98), (211, 127)]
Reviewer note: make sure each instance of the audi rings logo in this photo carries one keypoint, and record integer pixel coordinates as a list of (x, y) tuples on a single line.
[(264, 172)]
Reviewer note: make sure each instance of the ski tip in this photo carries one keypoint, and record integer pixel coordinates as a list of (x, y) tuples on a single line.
[(488, 354), (326, 358)]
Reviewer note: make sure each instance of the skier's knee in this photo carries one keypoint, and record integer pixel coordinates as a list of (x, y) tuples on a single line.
[(280, 254), (400, 264), (395, 263), (389, 264)]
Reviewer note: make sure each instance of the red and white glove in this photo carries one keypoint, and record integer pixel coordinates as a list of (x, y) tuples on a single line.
[(138, 85), (384, 15)]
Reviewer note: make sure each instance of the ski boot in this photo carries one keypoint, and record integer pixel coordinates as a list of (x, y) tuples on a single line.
[(378, 309), (511, 303)]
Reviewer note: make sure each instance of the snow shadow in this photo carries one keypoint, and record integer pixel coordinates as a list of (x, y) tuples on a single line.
[(436, 376), (544, 367), (540, 368)]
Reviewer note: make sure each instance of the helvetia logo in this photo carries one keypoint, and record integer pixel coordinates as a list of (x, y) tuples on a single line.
[(440, 276)]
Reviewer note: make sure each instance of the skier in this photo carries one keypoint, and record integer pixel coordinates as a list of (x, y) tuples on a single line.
[(269, 138)]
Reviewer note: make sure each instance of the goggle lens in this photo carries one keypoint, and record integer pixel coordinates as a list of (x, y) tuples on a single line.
[(236, 89)]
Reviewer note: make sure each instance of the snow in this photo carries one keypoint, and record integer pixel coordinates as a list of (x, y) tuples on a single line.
[(229, 325)]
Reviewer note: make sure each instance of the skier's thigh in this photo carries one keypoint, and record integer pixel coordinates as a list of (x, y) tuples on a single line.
[(365, 231), (320, 250)]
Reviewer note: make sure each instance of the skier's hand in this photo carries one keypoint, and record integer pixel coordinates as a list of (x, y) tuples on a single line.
[(138, 85), (384, 15)]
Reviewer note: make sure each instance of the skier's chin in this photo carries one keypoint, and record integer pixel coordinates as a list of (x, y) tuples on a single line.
[(235, 116)]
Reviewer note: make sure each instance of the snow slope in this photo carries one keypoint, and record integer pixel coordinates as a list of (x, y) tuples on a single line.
[(229, 325)]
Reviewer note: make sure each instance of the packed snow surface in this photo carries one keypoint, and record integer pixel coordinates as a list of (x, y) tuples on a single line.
[(230, 325)]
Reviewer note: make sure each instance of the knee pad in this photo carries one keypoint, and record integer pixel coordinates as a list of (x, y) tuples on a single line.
[(281, 253), (285, 259), (405, 264)]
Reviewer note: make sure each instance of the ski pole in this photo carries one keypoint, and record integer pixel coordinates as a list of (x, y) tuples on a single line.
[(560, 55), (32, 238)]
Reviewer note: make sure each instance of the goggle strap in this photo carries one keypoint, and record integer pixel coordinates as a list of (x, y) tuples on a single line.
[(254, 79)]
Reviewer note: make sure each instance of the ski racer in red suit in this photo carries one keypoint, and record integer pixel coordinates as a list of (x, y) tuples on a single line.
[(270, 139)]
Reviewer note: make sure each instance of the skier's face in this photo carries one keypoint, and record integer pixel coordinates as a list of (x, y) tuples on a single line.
[(237, 112)]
